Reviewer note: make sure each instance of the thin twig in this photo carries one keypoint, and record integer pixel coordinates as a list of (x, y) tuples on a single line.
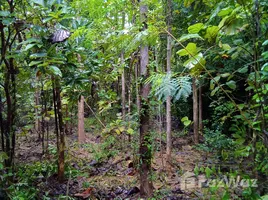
[(95, 115)]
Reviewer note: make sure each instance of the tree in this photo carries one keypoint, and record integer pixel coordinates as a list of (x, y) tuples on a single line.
[(146, 185), (168, 102)]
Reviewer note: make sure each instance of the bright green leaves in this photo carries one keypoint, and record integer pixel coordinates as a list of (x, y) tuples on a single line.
[(212, 33), (186, 122), (225, 11), (195, 28), (189, 50), (190, 36), (196, 61)]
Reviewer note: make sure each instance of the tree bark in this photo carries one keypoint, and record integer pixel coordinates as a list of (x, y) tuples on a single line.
[(123, 80), (146, 186), (61, 133), (81, 127), (195, 112), (200, 112), (168, 101)]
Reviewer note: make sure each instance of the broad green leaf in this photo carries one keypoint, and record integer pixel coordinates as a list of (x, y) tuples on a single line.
[(189, 36), (4, 13), (194, 61), (226, 47), (265, 197), (213, 92), (33, 63), (189, 49), (225, 75), (225, 11), (29, 46), (184, 119), (130, 131), (55, 70), (195, 28), (38, 55), (243, 70), (265, 43), (231, 84), (212, 33)]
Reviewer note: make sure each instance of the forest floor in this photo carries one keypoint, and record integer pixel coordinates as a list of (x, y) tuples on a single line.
[(91, 174)]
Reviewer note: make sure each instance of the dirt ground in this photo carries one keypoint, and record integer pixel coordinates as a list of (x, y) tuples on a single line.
[(116, 177)]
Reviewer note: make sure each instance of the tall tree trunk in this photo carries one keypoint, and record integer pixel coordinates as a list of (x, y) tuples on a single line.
[(123, 88), (195, 112), (123, 79), (200, 112), (37, 124), (61, 133), (146, 186), (168, 101), (81, 127)]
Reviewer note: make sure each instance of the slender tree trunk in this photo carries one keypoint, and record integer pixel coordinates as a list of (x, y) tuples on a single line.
[(146, 186), (62, 133), (37, 125), (195, 112), (2, 125), (200, 112), (168, 101), (55, 112), (81, 127), (123, 88)]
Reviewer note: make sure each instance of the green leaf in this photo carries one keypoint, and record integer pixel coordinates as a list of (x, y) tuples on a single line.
[(265, 197), (39, 2), (225, 11), (225, 75), (189, 49), (55, 70), (226, 47), (195, 28), (194, 61), (33, 63), (243, 70), (29, 46), (4, 13), (38, 55), (231, 84), (265, 43), (184, 119), (130, 131), (211, 33), (189, 36), (213, 92)]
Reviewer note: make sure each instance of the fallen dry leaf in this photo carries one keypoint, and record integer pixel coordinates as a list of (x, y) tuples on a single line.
[(84, 194)]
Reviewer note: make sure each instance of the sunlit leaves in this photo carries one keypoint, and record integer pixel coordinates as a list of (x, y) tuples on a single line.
[(211, 33), (189, 50), (195, 28), (197, 60), (189, 36)]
